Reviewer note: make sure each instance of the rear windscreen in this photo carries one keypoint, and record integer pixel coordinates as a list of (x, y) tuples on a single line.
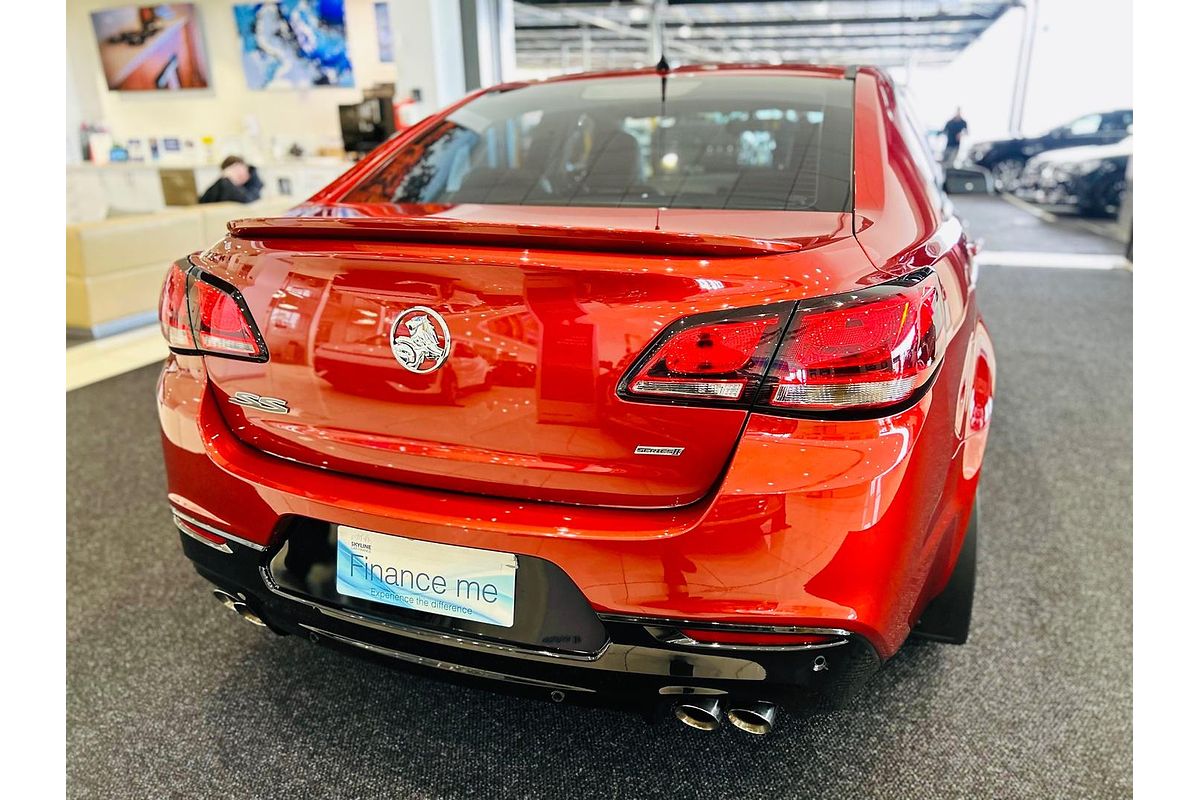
[(738, 141)]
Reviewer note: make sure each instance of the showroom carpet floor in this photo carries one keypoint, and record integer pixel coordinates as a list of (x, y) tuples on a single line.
[(170, 696)]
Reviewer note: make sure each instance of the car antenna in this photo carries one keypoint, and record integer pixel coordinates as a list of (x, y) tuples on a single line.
[(663, 69)]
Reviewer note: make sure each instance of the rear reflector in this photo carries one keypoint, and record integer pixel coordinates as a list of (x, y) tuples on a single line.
[(202, 314), (204, 537), (759, 638)]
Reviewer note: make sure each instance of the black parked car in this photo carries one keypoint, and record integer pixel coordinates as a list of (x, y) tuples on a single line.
[(1090, 179), (1006, 158)]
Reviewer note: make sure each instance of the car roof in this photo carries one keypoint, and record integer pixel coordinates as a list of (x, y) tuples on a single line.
[(799, 70)]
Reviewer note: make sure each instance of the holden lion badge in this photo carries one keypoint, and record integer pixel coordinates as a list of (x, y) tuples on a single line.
[(420, 339)]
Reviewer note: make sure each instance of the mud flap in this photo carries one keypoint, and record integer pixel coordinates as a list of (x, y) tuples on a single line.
[(947, 618)]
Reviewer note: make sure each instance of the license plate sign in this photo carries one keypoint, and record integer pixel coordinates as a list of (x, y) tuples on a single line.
[(462, 582)]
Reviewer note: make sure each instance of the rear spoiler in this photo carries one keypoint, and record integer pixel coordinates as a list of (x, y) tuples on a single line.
[(433, 230)]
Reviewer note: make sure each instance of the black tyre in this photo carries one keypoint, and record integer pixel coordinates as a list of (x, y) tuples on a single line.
[(947, 618), (1105, 199)]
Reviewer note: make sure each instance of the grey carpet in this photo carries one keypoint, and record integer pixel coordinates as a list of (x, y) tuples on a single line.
[(169, 696)]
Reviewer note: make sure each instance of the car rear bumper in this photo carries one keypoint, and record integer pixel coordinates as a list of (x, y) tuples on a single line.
[(640, 663)]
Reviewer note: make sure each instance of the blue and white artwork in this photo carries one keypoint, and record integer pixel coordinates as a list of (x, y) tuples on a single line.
[(293, 44)]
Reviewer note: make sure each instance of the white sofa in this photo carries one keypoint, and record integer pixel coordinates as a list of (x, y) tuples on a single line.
[(115, 266)]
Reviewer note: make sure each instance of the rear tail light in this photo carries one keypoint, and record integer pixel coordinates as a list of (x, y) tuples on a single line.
[(220, 323), (873, 348), (173, 310), (202, 314), (709, 356)]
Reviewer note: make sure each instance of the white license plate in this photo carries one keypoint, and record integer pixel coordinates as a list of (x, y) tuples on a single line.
[(460, 582)]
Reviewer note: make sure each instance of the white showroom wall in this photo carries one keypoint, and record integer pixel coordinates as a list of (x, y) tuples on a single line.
[(1082, 62), (228, 107)]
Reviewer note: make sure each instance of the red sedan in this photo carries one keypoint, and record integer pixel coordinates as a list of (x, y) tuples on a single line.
[(660, 388)]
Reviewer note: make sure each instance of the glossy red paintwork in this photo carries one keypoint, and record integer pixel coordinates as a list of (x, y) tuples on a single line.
[(418, 227), (764, 519), (557, 328)]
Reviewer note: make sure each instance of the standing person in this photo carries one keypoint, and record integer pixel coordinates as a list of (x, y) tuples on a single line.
[(955, 127), (239, 182)]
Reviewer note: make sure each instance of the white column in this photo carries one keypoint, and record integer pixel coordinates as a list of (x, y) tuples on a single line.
[(496, 34), (85, 82), (429, 52)]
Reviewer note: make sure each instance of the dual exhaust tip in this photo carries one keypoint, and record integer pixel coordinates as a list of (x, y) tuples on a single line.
[(707, 713), (239, 607)]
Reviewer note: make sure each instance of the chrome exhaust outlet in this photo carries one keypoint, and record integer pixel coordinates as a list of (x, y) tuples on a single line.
[(245, 613), (757, 718), (226, 599), (702, 713), (238, 605)]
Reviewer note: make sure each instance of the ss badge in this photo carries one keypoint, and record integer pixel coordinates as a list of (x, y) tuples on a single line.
[(275, 405)]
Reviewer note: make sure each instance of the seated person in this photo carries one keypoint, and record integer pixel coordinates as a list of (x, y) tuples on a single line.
[(239, 183)]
